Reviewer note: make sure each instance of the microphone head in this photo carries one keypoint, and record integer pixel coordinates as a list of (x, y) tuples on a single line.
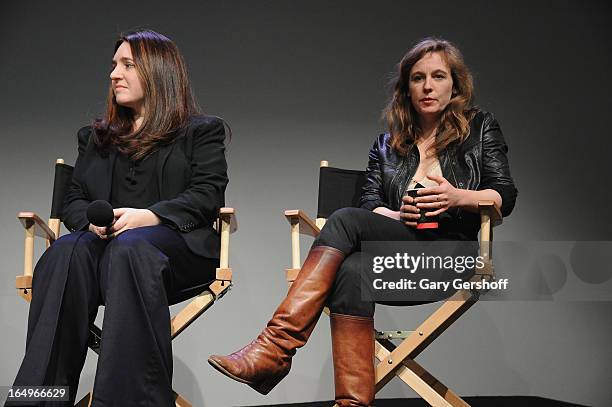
[(100, 213)]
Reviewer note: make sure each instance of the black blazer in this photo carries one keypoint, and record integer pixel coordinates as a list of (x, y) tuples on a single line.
[(192, 182)]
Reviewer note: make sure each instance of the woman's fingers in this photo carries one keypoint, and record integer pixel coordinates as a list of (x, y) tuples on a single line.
[(119, 224), (409, 208), (433, 205), (432, 198), (118, 232), (429, 191), (409, 213), (434, 213), (410, 216), (98, 231)]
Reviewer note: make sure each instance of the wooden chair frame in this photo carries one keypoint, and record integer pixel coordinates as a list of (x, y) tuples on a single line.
[(398, 360), (226, 224)]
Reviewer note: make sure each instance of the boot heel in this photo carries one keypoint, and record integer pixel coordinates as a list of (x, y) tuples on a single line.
[(264, 387)]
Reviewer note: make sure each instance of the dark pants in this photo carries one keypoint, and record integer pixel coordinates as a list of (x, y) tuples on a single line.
[(136, 276), (344, 230)]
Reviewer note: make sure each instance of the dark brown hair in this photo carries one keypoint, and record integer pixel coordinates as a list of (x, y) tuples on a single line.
[(401, 117), (168, 101)]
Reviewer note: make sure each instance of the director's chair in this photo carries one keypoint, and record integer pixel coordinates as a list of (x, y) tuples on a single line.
[(35, 226), (339, 188)]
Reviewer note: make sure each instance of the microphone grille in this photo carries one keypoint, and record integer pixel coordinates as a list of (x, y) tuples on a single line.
[(100, 213)]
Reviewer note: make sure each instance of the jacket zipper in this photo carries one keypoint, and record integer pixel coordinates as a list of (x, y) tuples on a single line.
[(452, 166), (403, 185)]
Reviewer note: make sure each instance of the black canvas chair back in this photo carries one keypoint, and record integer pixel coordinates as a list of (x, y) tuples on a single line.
[(338, 188), (61, 182)]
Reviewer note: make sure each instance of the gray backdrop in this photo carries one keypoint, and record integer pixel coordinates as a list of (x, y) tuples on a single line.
[(305, 81)]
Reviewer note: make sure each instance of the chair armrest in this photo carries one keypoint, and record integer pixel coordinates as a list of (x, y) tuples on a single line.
[(488, 208), (306, 224), (41, 229), (301, 224), (229, 215), (34, 226), (490, 216)]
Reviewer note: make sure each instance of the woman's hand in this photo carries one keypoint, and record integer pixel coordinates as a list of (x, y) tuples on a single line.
[(409, 213), (438, 199), (101, 232), (130, 218)]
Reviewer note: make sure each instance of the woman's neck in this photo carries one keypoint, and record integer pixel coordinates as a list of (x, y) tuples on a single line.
[(138, 119), (429, 126)]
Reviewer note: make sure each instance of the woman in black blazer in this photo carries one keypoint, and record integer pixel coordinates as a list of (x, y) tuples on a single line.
[(162, 167)]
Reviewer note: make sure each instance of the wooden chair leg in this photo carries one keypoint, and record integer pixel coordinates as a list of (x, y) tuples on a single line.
[(420, 380), (179, 401), (85, 401)]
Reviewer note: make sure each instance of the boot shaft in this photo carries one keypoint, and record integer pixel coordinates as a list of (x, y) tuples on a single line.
[(353, 355)]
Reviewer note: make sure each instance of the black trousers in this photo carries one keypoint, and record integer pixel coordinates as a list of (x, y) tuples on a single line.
[(344, 230), (135, 276)]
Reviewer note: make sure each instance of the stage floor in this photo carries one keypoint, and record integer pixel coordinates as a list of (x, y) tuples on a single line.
[(489, 401)]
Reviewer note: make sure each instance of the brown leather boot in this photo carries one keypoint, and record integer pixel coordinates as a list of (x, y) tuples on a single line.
[(353, 354), (265, 361)]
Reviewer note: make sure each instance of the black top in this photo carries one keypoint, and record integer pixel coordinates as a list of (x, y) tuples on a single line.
[(135, 183)]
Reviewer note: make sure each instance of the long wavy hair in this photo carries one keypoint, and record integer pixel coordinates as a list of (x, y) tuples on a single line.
[(168, 100), (401, 117)]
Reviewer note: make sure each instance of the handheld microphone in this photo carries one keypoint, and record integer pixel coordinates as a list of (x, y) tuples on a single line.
[(100, 213)]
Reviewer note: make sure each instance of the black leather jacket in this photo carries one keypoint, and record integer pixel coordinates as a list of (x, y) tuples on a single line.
[(480, 162)]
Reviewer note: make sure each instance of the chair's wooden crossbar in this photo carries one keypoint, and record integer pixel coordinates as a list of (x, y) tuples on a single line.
[(420, 380), (85, 401), (379, 335), (191, 312), (425, 334)]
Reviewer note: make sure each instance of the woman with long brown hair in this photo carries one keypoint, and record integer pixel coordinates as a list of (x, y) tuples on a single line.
[(438, 141), (161, 165)]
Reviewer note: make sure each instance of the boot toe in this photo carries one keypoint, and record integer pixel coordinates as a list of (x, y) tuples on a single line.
[(224, 365)]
